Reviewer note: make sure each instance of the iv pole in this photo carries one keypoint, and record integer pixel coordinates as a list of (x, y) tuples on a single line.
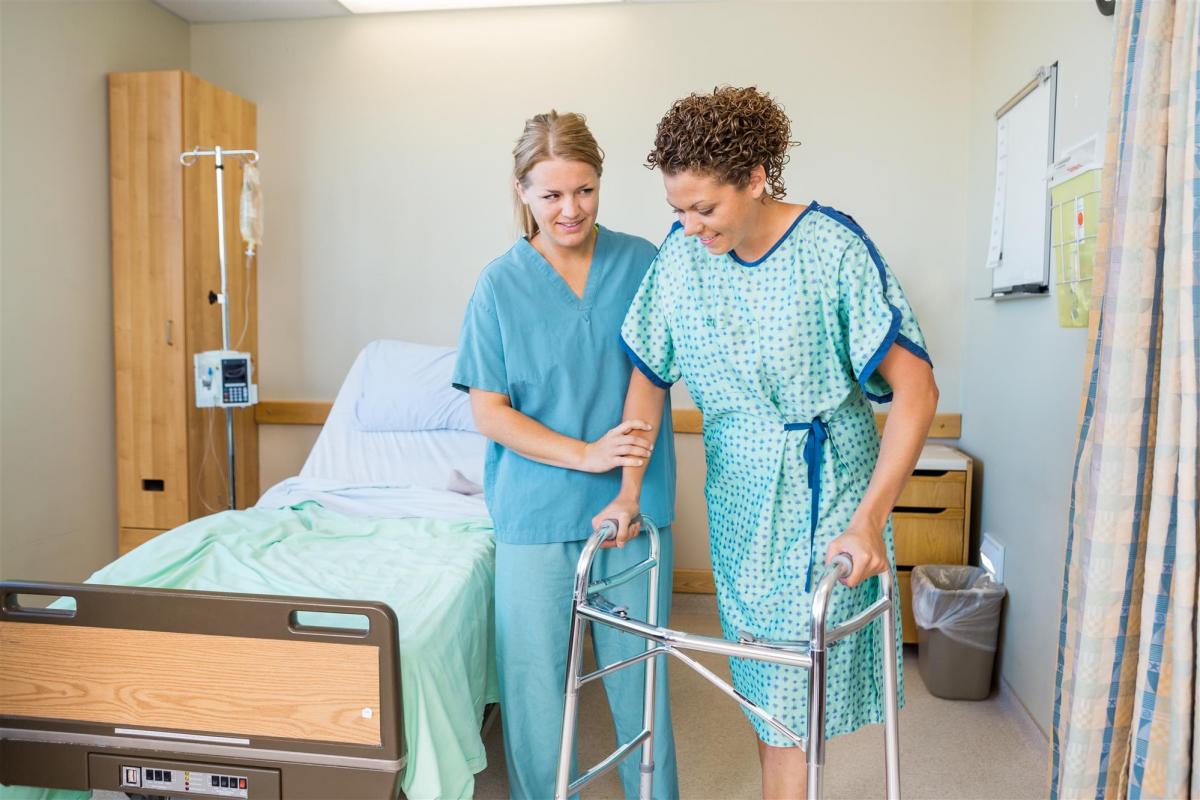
[(188, 159)]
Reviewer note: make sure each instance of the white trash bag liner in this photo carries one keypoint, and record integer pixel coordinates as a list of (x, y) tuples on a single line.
[(961, 602)]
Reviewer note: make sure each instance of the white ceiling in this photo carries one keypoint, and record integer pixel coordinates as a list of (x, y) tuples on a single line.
[(255, 10)]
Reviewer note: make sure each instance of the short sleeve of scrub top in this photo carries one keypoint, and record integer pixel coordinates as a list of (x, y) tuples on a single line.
[(480, 361), (875, 314), (646, 332)]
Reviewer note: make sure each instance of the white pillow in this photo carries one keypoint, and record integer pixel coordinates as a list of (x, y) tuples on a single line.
[(406, 387), (343, 452)]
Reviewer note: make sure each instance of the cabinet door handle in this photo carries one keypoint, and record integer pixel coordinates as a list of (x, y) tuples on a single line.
[(170, 338)]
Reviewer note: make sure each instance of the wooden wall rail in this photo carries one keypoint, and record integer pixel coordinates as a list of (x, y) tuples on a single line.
[(686, 420), (291, 412)]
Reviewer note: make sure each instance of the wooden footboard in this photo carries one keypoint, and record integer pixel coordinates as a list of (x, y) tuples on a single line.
[(222, 688)]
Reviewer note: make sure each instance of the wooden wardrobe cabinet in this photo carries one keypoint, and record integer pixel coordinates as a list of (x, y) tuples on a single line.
[(165, 263)]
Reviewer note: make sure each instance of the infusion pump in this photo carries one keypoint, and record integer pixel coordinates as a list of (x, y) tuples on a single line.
[(224, 379)]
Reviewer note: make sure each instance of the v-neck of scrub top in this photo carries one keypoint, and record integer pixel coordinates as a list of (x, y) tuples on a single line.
[(583, 302), (778, 242)]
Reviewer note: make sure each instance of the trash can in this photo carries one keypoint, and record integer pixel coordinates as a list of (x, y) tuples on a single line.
[(957, 611)]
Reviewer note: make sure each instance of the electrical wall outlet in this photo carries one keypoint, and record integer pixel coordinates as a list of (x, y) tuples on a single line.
[(991, 557)]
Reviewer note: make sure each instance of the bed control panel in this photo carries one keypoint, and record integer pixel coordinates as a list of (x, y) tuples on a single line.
[(178, 779), (186, 781)]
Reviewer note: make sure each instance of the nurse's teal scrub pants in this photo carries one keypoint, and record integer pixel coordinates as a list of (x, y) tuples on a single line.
[(534, 586)]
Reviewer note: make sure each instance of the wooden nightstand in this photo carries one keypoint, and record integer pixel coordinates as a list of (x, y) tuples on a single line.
[(932, 520)]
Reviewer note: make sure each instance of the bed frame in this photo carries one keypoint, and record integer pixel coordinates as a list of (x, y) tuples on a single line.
[(158, 692)]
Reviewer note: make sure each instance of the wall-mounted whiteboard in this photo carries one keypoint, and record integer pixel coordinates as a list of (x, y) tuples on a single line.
[(1019, 251)]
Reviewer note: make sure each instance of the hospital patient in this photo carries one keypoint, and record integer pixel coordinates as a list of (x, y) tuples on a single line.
[(541, 358), (785, 321)]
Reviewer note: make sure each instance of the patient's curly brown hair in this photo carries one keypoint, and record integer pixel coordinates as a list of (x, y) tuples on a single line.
[(725, 134)]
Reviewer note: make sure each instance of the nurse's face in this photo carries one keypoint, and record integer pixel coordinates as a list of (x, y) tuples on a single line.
[(564, 197), (720, 214)]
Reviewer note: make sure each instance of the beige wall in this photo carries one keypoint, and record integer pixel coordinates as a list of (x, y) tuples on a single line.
[(366, 144), (57, 490), (385, 145), (386, 148), (1022, 374)]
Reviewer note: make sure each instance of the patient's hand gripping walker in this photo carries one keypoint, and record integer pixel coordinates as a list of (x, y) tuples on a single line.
[(589, 605)]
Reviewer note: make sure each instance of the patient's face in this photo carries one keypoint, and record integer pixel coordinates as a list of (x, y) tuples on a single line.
[(719, 214), (564, 197)]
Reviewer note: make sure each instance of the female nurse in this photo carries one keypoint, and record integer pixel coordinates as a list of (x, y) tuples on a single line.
[(541, 357), (786, 322)]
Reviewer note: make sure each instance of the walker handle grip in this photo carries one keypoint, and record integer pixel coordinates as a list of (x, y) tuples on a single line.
[(607, 530), (843, 565)]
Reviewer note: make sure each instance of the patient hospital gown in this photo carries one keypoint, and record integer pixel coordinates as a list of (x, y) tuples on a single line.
[(780, 355)]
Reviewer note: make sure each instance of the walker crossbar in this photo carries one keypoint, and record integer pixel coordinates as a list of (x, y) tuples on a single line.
[(627, 662), (703, 644), (588, 606), (621, 577)]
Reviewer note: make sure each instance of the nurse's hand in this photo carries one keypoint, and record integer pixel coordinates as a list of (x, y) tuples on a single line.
[(865, 548), (623, 446), (624, 511)]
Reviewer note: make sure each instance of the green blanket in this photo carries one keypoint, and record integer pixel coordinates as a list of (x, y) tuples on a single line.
[(436, 575)]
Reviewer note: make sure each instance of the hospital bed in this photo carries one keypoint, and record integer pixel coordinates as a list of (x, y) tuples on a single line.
[(335, 641)]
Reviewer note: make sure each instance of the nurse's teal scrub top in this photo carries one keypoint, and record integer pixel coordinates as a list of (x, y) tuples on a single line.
[(559, 359)]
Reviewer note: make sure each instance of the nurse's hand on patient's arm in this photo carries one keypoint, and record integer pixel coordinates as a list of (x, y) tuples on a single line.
[(623, 446), (643, 400), (496, 419), (864, 544), (623, 510)]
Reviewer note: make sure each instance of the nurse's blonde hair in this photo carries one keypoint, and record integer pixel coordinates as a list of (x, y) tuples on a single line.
[(548, 136)]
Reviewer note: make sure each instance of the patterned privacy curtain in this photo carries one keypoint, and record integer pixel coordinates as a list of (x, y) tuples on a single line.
[(1125, 721)]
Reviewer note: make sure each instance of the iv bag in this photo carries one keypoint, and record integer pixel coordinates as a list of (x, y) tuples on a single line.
[(251, 208)]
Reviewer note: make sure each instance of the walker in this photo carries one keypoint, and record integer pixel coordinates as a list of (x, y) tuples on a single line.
[(589, 605)]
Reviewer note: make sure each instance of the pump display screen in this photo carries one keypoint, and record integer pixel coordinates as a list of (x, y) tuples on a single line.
[(235, 386), (233, 371)]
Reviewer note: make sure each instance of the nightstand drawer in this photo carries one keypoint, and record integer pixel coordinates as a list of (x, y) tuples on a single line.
[(929, 537), (933, 489)]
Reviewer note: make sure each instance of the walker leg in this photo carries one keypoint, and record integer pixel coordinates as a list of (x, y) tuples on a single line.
[(570, 704), (646, 774), (891, 708), (816, 724)]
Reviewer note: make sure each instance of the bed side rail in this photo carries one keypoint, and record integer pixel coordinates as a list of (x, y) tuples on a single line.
[(296, 677)]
